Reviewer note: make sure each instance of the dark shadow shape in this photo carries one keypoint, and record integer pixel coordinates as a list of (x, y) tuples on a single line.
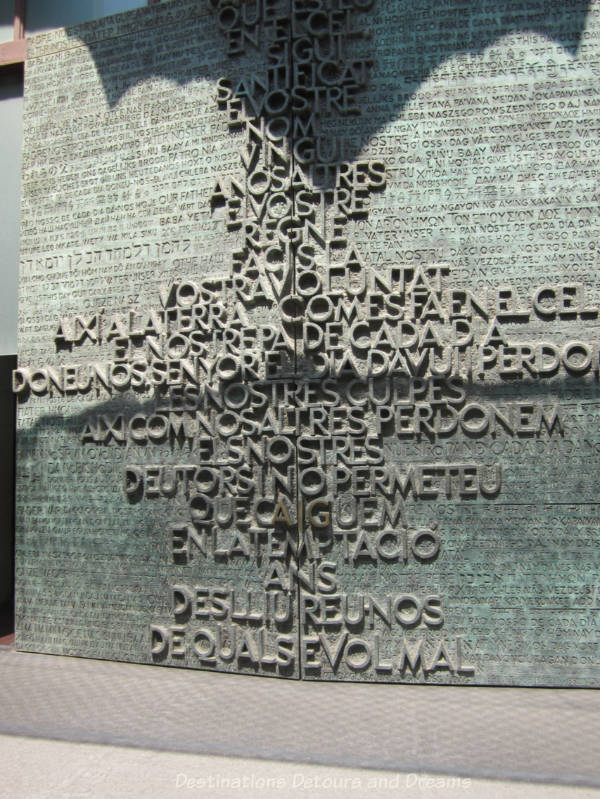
[(7, 494), (412, 38)]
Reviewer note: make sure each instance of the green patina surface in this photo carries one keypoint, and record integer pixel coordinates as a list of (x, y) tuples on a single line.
[(309, 341)]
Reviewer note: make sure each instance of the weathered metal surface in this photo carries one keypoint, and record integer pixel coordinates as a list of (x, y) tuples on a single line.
[(309, 343)]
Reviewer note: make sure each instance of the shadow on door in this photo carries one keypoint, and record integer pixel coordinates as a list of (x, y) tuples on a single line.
[(7, 493)]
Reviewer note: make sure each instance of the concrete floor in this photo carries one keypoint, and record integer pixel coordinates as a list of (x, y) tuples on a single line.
[(35, 768), (75, 728)]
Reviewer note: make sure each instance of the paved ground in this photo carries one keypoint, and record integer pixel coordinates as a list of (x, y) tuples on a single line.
[(82, 728), (41, 769)]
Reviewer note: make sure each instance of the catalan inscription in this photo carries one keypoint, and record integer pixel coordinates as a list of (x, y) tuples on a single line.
[(310, 353)]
